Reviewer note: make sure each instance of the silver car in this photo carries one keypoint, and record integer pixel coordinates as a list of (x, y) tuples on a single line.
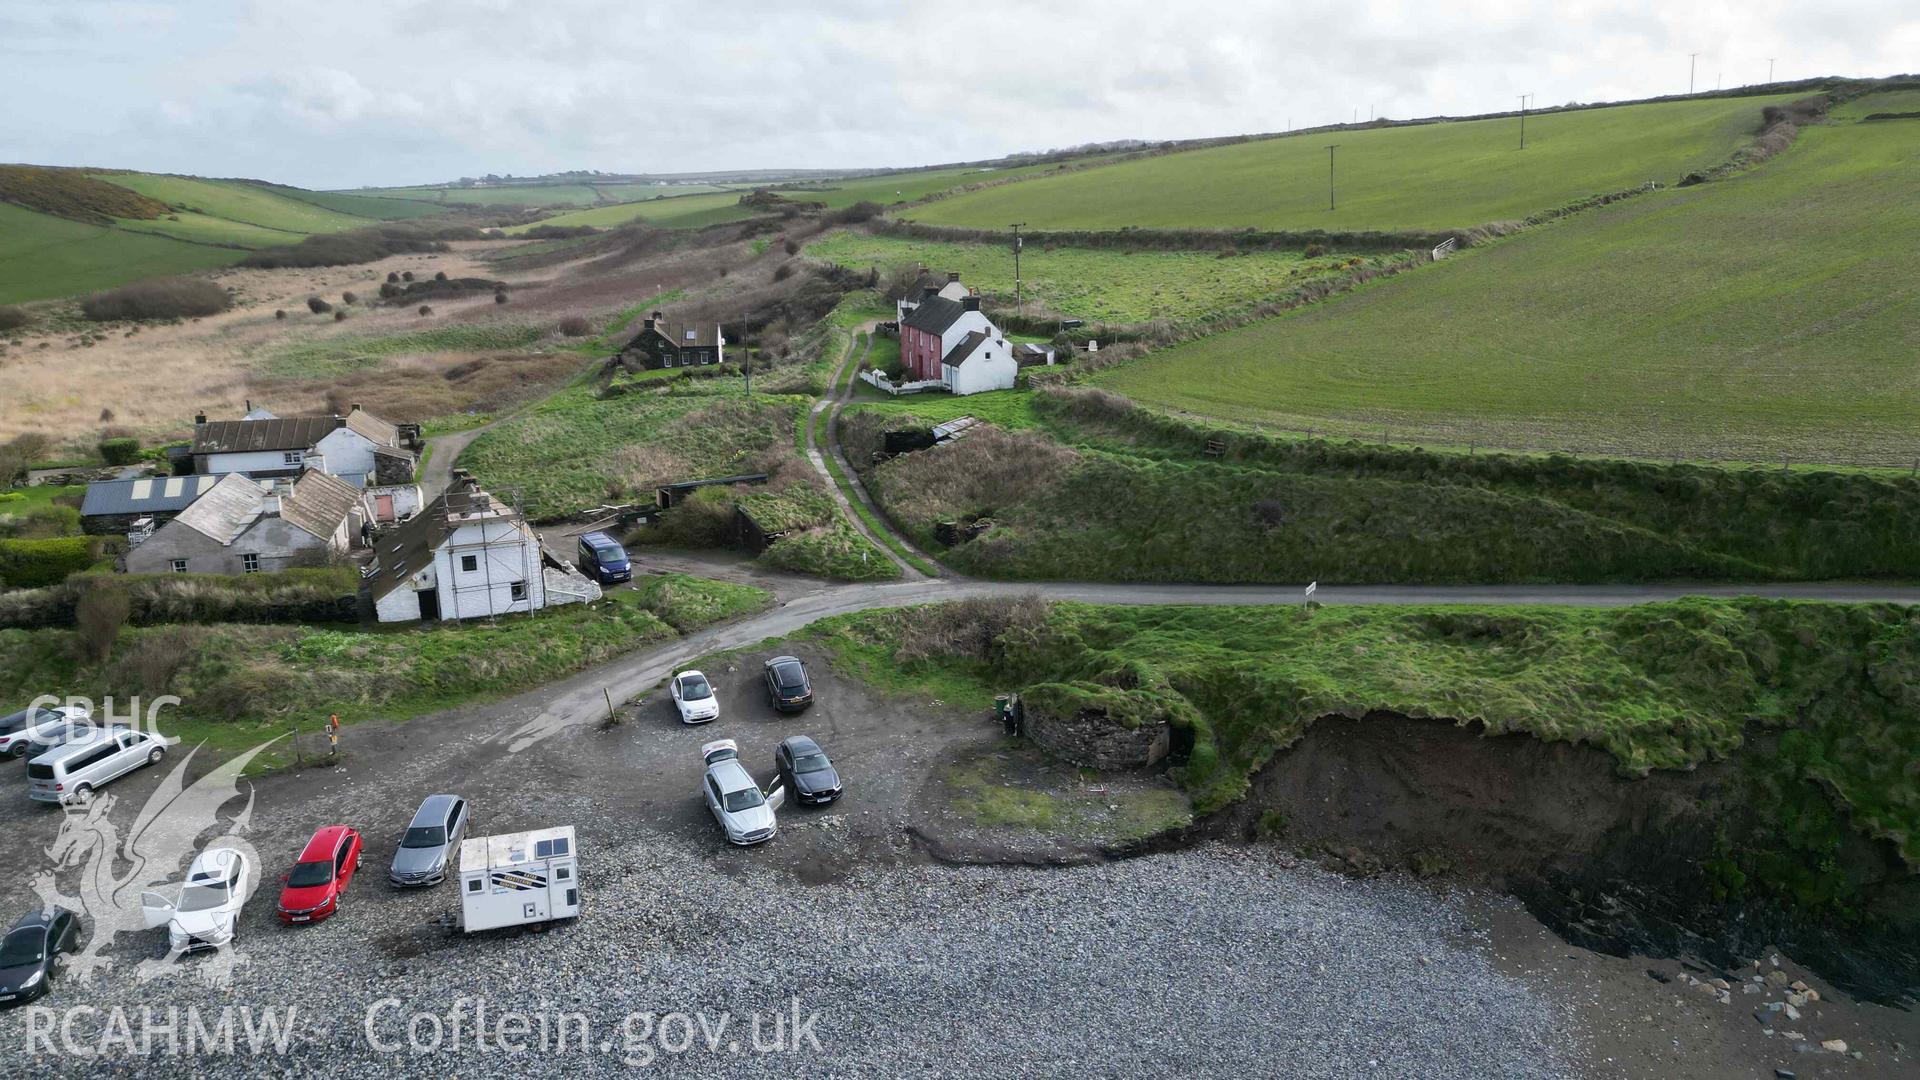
[(745, 813), (428, 845)]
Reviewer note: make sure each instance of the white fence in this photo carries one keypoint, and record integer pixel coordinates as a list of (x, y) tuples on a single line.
[(1446, 248), (881, 382)]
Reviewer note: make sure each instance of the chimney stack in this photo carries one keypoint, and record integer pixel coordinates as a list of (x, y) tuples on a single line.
[(339, 421), (953, 275), (971, 303), (928, 292), (199, 418), (355, 408)]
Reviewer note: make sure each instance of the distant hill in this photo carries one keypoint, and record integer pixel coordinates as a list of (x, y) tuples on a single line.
[(66, 231)]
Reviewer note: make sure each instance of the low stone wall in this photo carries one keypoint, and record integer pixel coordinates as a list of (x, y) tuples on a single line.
[(1097, 727)]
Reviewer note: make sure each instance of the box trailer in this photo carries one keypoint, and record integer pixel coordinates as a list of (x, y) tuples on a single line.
[(519, 878)]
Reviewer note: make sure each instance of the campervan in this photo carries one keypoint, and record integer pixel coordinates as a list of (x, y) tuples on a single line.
[(518, 878)]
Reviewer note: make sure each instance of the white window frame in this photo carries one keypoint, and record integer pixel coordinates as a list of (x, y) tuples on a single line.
[(292, 457), (179, 566), (250, 562)]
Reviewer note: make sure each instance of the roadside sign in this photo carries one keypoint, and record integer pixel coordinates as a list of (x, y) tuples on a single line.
[(1312, 587)]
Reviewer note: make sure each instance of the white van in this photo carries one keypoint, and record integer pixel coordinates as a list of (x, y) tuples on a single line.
[(72, 773)]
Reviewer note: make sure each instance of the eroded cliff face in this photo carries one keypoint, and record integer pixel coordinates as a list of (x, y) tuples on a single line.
[(1710, 861)]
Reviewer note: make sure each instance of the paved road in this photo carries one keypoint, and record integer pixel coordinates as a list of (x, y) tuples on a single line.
[(582, 699)]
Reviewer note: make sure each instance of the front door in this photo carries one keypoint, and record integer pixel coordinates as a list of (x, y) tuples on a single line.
[(383, 507), (429, 604)]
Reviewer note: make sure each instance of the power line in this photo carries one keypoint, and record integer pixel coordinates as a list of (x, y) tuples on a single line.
[(1017, 226), (1523, 120), (1770, 70), (1691, 59)]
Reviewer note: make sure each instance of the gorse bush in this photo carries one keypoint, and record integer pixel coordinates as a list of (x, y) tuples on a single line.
[(318, 306), (166, 298), (12, 318), (119, 451)]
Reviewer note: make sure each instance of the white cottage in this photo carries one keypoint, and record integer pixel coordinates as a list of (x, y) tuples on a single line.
[(952, 342), (465, 555), (360, 448)]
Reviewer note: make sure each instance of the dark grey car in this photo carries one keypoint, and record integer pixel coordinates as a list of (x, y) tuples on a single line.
[(430, 842)]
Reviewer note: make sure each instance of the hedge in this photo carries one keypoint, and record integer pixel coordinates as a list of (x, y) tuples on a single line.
[(32, 564)]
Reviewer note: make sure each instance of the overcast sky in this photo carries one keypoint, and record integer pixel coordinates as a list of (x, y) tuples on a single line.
[(399, 91)]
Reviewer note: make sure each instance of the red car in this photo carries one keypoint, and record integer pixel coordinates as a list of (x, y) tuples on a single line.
[(313, 888)]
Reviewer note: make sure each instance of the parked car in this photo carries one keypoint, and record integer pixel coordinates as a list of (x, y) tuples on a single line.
[(205, 912), (693, 695), (72, 773), (39, 730), (430, 841), (30, 953), (805, 771), (745, 813), (788, 688), (603, 559), (312, 890)]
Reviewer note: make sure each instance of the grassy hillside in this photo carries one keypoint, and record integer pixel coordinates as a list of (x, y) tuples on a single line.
[(232, 200), (42, 256), (1097, 285), (890, 188), (1433, 176), (1770, 315), (671, 212), (1081, 485), (365, 206)]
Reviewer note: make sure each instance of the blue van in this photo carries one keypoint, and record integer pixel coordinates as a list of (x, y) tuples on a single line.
[(603, 559)]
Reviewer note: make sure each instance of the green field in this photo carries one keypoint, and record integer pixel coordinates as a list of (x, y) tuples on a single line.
[(1099, 285), (332, 357), (249, 204), (367, 206), (1769, 316), (671, 212), (203, 229), (42, 256), (890, 188), (1434, 176)]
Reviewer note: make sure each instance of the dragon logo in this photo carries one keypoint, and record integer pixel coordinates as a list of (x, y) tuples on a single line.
[(108, 873)]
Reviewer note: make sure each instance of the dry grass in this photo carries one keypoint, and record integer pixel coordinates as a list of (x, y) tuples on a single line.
[(968, 479)]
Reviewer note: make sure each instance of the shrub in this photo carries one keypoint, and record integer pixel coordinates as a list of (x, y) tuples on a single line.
[(388, 290), (280, 314), (440, 276), (864, 210), (361, 245), (500, 297), (12, 318), (1314, 251), (971, 629), (784, 272), (30, 564), (349, 298), (339, 316), (575, 326), (425, 310), (791, 246), (119, 451), (99, 614), (393, 276), (318, 306), (406, 275), (168, 298)]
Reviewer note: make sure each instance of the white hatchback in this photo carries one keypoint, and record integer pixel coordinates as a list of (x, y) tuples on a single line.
[(693, 696)]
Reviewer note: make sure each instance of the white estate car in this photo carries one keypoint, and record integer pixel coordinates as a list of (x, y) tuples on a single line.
[(693, 695), (36, 730), (744, 812), (204, 913)]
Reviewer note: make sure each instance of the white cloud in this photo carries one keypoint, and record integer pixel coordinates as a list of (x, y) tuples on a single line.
[(394, 91)]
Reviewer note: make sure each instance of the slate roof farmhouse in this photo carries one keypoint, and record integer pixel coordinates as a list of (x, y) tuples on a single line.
[(245, 526), (952, 342), (661, 344)]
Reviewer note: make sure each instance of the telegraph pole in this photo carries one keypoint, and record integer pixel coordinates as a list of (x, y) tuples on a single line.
[(1523, 120), (1770, 70), (1692, 59), (1330, 149), (1017, 305)]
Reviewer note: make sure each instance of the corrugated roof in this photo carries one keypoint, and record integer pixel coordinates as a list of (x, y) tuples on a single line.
[(225, 510), (318, 502), (147, 495), (248, 436)]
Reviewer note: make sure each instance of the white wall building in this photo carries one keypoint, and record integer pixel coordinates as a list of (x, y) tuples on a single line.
[(465, 555), (264, 446)]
